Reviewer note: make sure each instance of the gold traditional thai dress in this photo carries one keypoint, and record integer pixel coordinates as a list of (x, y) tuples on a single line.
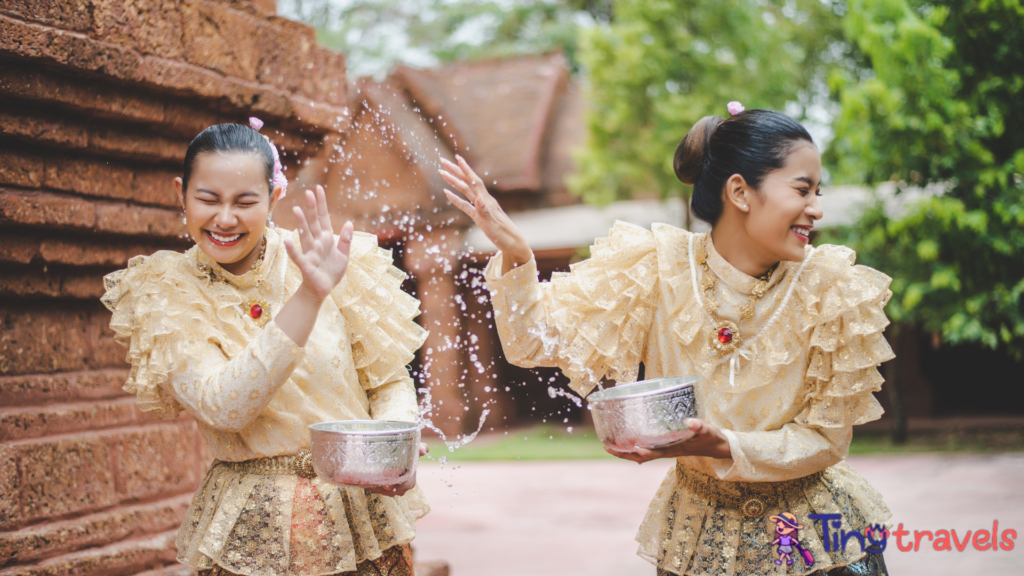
[(253, 392), (788, 413)]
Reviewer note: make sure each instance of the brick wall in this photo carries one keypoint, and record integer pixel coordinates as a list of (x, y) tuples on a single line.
[(98, 101)]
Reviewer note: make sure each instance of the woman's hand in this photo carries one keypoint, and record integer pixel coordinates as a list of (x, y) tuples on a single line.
[(322, 260), (404, 487), (485, 212), (707, 440)]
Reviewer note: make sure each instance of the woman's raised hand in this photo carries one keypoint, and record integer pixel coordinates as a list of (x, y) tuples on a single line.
[(485, 212), (321, 259)]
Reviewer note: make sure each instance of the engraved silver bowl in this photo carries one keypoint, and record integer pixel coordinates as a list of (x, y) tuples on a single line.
[(365, 453), (647, 414)]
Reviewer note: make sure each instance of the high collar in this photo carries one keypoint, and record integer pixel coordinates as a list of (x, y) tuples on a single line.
[(732, 276), (274, 250)]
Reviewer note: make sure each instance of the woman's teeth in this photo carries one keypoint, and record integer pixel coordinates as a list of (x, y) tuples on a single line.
[(220, 238), (802, 231)]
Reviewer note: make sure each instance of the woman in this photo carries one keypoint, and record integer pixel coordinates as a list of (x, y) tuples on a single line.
[(259, 333), (786, 340)]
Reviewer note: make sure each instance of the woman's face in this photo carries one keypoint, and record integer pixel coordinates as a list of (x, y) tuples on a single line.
[(227, 205), (782, 214)]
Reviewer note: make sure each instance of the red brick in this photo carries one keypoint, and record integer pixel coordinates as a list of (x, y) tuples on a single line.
[(156, 460), (94, 252), (51, 337), (64, 476), (65, 14), (55, 284), (19, 248), (39, 421), (42, 128), (42, 209), (220, 39), (108, 179), (10, 496), (21, 168), (139, 221), (94, 137), (149, 26), (119, 559), (236, 94), (40, 542), (37, 389)]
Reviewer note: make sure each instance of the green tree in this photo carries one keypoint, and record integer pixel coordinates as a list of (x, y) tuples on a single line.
[(661, 65), (939, 102), (377, 34)]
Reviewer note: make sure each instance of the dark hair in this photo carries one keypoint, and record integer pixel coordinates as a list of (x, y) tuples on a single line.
[(751, 144), (227, 138)]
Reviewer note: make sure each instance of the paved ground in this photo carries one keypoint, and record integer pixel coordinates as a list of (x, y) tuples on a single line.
[(578, 518)]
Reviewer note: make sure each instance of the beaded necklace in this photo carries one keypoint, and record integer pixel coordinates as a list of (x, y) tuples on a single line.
[(256, 307), (738, 349)]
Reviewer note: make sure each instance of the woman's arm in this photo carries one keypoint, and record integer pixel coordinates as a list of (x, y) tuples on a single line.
[(592, 322)]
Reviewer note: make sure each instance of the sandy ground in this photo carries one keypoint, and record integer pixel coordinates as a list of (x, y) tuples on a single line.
[(570, 518)]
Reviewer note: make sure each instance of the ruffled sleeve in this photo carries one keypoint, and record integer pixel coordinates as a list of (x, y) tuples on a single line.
[(183, 345), (841, 304), (591, 322), (134, 330), (383, 335), (847, 344)]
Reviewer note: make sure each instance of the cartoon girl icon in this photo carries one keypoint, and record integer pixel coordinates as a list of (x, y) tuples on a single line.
[(787, 539)]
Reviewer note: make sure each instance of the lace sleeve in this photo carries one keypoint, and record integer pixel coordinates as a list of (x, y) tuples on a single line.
[(383, 334), (591, 322)]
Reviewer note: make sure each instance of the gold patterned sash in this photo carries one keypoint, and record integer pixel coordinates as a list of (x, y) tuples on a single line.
[(297, 465), (751, 498)]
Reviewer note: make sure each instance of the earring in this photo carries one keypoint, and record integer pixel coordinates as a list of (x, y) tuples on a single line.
[(270, 222)]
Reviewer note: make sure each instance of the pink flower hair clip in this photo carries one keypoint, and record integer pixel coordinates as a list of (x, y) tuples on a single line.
[(279, 179), (735, 107)]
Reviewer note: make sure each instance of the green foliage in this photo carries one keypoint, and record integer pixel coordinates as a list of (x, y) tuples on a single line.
[(661, 65), (940, 103), (376, 34)]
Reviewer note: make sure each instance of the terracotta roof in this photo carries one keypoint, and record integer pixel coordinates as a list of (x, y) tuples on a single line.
[(384, 168), (496, 113)]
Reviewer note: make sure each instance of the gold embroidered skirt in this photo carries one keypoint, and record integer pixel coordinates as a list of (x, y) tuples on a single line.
[(395, 561), (698, 525), (258, 518)]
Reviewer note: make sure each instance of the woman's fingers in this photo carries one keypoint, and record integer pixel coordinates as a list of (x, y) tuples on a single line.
[(321, 207), (345, 239), (312, 218), (468, 172), (304, 234), (293, 252), (459, 184), (461, 204), (453, 168)]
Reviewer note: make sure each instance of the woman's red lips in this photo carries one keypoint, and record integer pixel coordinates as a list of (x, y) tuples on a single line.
[(236, 238), (803, 237)]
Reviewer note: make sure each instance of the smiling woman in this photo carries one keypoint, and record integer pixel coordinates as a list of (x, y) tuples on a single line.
[(785, 338), (254, 333)]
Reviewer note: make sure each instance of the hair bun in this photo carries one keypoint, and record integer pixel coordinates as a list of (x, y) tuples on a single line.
[(688, 161)]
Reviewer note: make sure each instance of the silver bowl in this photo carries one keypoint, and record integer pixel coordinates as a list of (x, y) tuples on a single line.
[(365, 453), (647, 414)]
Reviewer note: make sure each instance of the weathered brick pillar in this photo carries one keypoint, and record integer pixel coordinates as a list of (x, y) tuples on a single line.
[(432, 256), (100, 99)]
